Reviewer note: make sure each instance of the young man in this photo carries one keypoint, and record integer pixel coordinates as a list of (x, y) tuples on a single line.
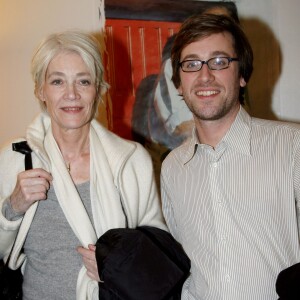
[(231, 193)]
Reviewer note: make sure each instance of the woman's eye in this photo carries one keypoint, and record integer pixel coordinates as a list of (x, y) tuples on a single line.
[(85, 82), (56, 82)]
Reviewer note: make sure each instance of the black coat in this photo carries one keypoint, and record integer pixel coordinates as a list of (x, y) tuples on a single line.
[(288, 283), (140, 264)]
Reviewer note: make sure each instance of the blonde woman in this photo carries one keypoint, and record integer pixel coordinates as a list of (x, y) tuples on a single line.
[(83, 179)]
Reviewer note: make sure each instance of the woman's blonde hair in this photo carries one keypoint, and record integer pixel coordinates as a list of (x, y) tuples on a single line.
[(79, 42)]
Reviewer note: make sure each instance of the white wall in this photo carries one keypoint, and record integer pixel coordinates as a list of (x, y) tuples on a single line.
[(289, 93), (24, 23), (279, 20)]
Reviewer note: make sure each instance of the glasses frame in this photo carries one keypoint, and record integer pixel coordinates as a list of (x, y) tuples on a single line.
[(205, 62)]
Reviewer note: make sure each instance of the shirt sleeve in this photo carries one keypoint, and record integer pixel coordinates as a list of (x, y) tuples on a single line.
[(9, 213), (167, 207), (297, 180)]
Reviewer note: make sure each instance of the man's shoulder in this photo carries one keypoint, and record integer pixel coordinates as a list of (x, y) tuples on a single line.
[(177, 157), (279, 127)]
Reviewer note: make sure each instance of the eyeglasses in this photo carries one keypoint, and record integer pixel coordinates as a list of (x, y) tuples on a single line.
[(215, 63)]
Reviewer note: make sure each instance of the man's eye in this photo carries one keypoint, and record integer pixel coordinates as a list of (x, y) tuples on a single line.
[(220, 62), (192, 64)]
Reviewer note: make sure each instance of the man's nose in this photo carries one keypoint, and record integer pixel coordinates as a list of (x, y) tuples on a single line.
[(205, 74)]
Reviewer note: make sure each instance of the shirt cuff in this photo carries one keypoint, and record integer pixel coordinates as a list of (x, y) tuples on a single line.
[(9, 213)]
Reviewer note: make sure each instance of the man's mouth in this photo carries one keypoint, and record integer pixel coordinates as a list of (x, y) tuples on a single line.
[(206, 93)]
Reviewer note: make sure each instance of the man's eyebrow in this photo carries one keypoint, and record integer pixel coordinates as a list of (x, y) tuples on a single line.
[(220, 53), (213, 54), (191, 56)]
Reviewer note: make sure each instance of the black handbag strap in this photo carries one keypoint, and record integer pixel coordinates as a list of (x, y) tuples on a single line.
[(23, 148)]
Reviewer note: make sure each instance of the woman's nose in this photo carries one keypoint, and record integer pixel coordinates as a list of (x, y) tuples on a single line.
[(71, 91)]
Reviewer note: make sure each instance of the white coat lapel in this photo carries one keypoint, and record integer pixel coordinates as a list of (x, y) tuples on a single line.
[(67, 195)]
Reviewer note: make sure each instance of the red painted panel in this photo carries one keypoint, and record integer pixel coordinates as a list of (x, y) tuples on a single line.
[(134, 50)]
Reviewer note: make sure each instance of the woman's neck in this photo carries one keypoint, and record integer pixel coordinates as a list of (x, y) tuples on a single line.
[(75, 148), (73, 142)]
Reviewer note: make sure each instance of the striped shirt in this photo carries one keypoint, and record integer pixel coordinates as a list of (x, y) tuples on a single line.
[(235, 209)]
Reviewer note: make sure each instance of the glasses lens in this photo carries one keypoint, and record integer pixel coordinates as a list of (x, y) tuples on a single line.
[(191, 65), (215, 63), (218, 63)]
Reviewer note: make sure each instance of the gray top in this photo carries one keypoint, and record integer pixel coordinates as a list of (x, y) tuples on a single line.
[(53, 263)]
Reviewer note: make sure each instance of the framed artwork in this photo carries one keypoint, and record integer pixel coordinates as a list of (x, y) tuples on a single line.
[(136, 33), (145, 104)]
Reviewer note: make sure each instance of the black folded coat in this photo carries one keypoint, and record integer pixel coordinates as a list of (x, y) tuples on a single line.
[(288, 283), (143, 263)]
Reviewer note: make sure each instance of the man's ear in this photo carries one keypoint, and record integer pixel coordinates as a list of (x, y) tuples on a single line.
[(242, 82), (179, 90)]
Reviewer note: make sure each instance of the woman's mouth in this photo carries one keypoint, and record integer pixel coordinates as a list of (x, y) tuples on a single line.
[(71, 109)]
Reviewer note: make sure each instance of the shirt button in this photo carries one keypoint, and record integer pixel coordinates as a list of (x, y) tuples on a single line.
[(214, 165), (227, 278)]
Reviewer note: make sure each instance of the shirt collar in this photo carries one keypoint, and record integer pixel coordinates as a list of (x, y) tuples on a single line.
[(238, 137), (191, 147)]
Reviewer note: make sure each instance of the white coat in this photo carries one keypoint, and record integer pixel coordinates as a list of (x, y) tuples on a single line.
[(123, 167)]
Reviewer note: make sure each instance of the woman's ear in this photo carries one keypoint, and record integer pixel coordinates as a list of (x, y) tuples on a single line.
[(40, 94)]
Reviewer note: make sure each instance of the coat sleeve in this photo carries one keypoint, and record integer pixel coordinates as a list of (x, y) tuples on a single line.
[(11, 163), (139, 192)]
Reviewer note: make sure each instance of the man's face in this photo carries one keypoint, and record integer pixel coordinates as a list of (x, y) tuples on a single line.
[(211, 94)]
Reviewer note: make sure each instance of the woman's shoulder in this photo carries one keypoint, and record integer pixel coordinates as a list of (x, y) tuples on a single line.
[(11, 163), (126, 149), (113, 143), (7, 148), (118, 149)]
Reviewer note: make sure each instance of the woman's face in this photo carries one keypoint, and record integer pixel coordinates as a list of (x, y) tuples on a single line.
[(69, 92)]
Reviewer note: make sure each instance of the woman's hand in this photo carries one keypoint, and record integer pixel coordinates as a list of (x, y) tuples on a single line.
[(31, 186), (89, 261)]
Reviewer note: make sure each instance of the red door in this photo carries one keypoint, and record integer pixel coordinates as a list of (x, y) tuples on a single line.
[(133, 51)]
